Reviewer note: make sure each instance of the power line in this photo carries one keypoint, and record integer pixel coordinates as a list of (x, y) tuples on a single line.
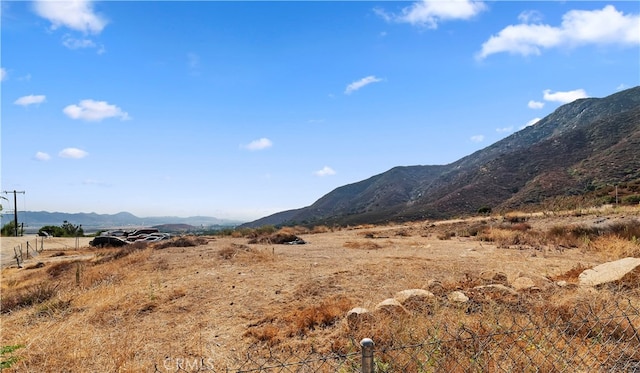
[(15, 207)]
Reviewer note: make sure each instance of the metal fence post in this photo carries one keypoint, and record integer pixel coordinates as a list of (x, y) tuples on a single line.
[(367, 355)]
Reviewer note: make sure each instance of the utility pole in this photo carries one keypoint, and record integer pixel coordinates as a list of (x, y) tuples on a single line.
[(15, 208)]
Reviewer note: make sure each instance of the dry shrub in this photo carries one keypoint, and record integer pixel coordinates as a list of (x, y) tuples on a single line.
[(320, 229), (572, 274), (246, 253), (629, 230), (403, 233), (363, 226), (515, 217), (501, 237), (27, 297), (277, 239), (615, 247), (299, 322), (298, 229), (52, 308), (446, 235), (322, 315), (520, 227), (268, 333), (362, 245), (57, 270), (595, 316), (472, 230), (508, 236), (232, 250), (185, 241), (581, 235), (118, 254)]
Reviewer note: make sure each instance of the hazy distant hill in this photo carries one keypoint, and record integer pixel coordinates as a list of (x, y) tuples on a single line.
[(39, 219), (581, 147)]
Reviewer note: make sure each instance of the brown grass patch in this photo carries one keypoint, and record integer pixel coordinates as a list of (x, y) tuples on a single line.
[(362, 245), (28, 297)]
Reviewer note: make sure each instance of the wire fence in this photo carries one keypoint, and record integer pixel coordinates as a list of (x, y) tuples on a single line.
[(589, 336)]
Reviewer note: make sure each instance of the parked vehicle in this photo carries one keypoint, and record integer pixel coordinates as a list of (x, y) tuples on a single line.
[(142, 231), (104, 241)]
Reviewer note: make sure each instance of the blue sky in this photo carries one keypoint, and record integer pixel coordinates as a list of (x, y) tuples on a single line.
[(242, 109)]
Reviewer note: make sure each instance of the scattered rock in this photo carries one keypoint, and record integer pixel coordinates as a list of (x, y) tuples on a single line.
[(391, 306), (357, 316), (496, 288), (458, 297), (494, 277), (415, 299), (539, 281), (523, 283), (624, 272), (435, 287)]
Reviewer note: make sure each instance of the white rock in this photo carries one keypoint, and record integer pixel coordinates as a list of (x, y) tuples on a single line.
[(457, 296), (391, 305), (608, 272), (358, 315)]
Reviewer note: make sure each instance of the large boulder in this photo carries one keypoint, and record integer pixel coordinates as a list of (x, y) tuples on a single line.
[(391, 306), (415, 299), (620, 272), (457, 297), (358, 316)]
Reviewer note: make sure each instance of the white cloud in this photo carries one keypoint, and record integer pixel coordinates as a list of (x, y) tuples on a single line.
[(73, 43), (41, 156), (94, 111), (30, 100), (325, 171), (259, 144), (74, 153), (429, 13), (578, 27), (564, 97), (76, 14), (531, 122), (361, 83), (535, 104), (504, 129), (530, 16), (3, 74), (477, 138)]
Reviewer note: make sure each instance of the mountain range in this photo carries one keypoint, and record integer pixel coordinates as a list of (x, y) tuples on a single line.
[(583, 148), (38, 219)]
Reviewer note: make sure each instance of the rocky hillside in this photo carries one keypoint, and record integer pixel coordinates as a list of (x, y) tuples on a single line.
[(582, 147)]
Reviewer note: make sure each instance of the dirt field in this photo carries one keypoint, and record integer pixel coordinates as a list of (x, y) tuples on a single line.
[(203, 300), (7, 245)]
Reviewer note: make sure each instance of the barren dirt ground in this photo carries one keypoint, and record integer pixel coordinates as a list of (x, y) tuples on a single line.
[(196, 301), (7, 245)]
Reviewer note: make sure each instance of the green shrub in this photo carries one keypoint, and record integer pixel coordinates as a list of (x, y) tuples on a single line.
[(8, 361)]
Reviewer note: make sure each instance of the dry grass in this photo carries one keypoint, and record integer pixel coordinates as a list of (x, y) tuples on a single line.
[(107, 310)]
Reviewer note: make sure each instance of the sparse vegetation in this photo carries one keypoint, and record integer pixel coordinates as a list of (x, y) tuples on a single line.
[(229, 296)]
